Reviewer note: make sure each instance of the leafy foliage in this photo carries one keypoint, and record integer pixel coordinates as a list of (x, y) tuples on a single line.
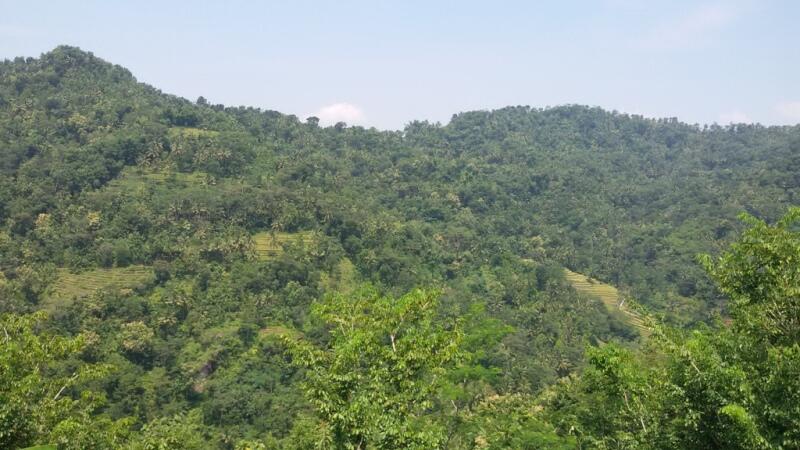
[(374, 387), (35, 401), (193, 233), (729, 388)]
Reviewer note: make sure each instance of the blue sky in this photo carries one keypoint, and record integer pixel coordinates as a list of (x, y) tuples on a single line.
[(383, 64)]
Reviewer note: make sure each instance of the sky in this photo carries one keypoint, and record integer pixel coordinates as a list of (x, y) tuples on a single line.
[(384, 64)]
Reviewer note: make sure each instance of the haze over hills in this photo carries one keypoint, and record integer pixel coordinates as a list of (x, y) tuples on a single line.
[(195, 251)]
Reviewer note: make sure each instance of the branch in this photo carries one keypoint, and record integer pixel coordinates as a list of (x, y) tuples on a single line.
[(628, 406), (70, 380)]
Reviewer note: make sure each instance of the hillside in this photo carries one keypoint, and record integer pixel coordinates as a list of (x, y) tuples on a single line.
[(610, 296), (185, 229)]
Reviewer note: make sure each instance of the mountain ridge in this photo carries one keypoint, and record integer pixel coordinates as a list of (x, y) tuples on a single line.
[(177, 250), (76, 55)]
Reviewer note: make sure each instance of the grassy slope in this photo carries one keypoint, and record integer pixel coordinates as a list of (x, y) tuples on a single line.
[(608, 294), (269, 245), (70, 285)]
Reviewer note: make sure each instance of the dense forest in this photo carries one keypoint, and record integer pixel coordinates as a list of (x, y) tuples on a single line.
[(179, 274)]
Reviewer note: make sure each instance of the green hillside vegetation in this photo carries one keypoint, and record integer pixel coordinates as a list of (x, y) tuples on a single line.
[(69, 285), (271, 244), (191, 133), (138, 179), (251, 279), (609, 295)]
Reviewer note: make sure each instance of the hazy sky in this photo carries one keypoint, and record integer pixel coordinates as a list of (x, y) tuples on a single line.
[(383, 64)]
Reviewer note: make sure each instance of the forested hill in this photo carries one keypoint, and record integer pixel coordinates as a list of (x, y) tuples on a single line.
[(628, 199), (178, 236)]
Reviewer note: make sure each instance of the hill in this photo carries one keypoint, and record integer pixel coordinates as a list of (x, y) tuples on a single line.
[(232, 220)]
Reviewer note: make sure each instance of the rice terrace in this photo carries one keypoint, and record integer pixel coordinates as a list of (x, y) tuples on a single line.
[(71, 285), (270, 244), (609, 295)]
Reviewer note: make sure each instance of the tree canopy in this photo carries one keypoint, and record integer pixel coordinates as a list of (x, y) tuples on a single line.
[(184, 274)]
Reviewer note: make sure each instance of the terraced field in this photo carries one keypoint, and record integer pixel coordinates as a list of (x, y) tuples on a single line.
[(269, 245), (136, 178), (276, 330), (69, 285), (609, 295), (191, 133)]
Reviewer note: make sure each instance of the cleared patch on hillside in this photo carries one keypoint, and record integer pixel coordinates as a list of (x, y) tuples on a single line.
[(190, 133), (343, 279), (276, 330), (269, 245), (69, 285), (134, 178), (609, 295)]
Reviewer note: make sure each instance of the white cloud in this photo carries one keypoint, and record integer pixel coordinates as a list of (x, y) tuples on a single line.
[(734, 117), (789, 111), (340, 112), (693, 28)]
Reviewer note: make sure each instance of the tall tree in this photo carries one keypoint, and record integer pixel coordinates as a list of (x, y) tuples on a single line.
[(373, 384)]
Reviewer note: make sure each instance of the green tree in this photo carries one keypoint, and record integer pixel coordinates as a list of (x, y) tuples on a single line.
[(735, 387), (761, 276), (374, 383), (179, 432), (36, 403), (513, 421)]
